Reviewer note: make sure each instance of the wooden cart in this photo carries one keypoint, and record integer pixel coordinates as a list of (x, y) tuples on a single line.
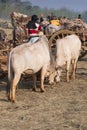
[(75, 26), (71, 26)]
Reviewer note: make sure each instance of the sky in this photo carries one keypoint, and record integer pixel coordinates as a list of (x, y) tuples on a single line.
[(75, 5)]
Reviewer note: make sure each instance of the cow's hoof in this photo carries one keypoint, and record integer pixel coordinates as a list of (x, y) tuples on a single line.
[(13, 101), (8, 98), (34, 89), (73, 78), (42, 90)]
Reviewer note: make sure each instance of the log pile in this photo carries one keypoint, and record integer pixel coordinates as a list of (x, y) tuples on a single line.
[(6, 45), (78, 26), (19, 17), (19, 21), (5, 24), (4, 51), (73, 24)]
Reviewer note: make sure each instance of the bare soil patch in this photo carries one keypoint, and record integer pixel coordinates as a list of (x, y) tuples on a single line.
[(62, 107)]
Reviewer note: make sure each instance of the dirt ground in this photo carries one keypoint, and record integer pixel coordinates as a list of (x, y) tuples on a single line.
[(62, 107)]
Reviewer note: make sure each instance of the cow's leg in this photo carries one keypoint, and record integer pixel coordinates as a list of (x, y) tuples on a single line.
[(74, 65), (13, 87), (34, 82), (67, 70), (8, 89), (43, 72)]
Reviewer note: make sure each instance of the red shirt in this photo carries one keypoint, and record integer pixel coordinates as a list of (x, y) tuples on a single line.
[(33, 29)]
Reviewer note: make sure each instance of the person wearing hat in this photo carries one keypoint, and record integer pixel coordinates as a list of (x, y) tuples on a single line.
[(33, 28)]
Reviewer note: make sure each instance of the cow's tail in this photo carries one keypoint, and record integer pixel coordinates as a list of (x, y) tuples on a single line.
[(10, 75)]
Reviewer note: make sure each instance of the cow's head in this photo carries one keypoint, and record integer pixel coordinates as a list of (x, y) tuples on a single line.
[(50, 74), (58, 74)]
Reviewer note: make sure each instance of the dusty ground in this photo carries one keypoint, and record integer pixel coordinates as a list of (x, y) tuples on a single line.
[(62, 107)]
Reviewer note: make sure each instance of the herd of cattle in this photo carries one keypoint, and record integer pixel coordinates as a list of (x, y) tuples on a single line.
[(38, 57)]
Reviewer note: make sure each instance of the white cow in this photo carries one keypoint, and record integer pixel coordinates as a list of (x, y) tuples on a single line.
[(32, 58), (68, 50)]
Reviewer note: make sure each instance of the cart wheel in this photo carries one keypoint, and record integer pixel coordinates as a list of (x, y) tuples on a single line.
[(58, 35)]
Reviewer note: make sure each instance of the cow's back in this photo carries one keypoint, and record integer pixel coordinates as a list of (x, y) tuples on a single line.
[(68, 48), (72, 43), (30, 56)]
